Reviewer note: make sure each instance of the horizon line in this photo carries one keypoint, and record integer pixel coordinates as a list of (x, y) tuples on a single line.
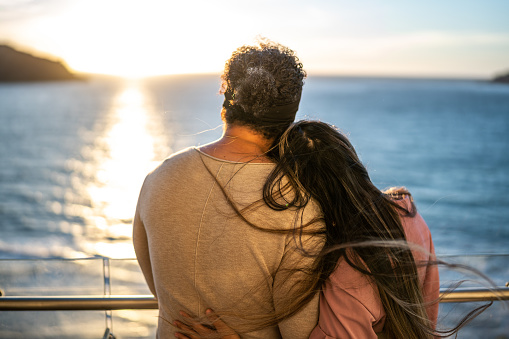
[(309, 75)]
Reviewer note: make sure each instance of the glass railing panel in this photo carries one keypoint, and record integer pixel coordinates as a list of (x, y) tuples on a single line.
[(493, 266), (52, 277), (52, 324), (135, 323), (127, 278), (492, 323)]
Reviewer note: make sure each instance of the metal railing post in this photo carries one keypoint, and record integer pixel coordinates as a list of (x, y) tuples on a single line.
[(107, 294)]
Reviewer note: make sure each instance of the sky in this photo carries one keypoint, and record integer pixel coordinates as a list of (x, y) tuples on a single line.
[(435, 38)]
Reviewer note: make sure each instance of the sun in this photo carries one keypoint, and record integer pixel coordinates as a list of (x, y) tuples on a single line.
[(139, 38), (135, 38), (131, 39)]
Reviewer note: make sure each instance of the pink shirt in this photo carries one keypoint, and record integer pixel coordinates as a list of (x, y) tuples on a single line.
[(350, 307)]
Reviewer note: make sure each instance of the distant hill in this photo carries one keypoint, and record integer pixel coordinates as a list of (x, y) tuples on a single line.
[(502, 78), (19, 66)]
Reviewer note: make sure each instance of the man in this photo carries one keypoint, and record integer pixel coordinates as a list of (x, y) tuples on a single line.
[(203, 234)]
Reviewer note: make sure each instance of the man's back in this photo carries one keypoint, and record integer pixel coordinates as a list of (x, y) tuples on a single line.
[(197, 253)]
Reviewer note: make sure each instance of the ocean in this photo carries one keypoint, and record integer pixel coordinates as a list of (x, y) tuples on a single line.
[(74, 156)]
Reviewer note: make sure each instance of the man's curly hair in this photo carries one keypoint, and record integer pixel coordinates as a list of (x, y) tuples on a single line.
[(260, 77)]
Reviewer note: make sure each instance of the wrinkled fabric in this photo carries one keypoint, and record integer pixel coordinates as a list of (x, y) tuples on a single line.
[(350, 306), (197, 253)]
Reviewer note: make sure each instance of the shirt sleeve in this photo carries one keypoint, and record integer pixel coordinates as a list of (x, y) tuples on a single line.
[(417, 232), (431, 286), (350, 307), (140, 242)]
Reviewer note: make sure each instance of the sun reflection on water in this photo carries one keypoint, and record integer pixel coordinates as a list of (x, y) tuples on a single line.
[(128, 155)]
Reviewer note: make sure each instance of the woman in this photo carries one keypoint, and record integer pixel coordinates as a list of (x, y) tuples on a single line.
[(376, 270)]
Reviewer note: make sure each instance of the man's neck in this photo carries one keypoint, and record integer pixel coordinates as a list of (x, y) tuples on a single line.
[(239, 143)]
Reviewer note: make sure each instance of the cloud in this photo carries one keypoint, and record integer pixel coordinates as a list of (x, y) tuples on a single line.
[(419, 42), (362, 46), (425, 52), (14, 10)]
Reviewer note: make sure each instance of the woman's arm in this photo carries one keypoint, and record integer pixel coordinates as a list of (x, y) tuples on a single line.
[(195, 330)]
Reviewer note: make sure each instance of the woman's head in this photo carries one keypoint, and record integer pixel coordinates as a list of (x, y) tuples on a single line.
[(262, 86), (322, 164)]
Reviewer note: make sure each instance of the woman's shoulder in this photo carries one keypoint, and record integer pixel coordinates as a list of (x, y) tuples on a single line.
[(416, 229), (401, 196)]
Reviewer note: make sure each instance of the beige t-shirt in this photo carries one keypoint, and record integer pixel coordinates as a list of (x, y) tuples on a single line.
[(197, 253)]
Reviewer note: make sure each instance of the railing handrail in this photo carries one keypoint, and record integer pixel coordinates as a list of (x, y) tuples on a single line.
[(138, 302), (77, 303), (474, 295)]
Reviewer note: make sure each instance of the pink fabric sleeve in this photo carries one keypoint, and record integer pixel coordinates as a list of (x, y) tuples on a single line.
[(350, 306)]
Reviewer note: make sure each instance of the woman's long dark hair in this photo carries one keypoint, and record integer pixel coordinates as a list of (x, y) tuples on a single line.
[(317, 162)]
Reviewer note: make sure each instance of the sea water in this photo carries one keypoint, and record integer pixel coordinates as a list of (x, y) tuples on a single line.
[(73, 155)]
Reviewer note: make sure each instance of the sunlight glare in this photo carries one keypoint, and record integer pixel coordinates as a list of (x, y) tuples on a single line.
[(131, 39), (119, 175)]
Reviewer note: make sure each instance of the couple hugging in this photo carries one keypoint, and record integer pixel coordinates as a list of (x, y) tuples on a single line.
[(277, 227)]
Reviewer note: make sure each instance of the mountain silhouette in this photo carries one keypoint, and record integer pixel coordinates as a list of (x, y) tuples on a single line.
[(20, 66), (504, 78)]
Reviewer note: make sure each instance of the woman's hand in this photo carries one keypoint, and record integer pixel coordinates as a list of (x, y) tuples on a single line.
[(197, 330)]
